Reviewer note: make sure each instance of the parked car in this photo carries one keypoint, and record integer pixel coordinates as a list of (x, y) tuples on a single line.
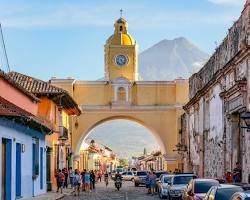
[(197, 188), (162, 185), (128, 176), (241, 196), (139, 178), (222, 192), (178, 184)]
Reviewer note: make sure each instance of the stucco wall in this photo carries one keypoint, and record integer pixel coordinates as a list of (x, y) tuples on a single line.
[(20, 134)]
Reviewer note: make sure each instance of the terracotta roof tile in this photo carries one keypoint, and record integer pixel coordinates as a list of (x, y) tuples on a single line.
[(16, 85), (40, 88)]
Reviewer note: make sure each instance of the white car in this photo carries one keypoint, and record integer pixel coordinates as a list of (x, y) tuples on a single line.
[(163, 185), (128, 176)]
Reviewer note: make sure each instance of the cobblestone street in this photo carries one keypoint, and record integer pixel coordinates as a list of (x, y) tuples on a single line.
[(127, 192)]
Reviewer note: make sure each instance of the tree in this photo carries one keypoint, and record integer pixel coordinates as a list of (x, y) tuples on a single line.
[(124, 162)]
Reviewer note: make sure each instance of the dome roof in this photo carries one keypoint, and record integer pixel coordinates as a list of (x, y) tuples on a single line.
[(124, 39), (121, 20)]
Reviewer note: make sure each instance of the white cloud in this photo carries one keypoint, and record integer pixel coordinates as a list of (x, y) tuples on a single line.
[(228, 2), (80, 15)]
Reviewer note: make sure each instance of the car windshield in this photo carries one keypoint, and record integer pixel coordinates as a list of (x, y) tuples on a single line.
[(141, 173), (167, 179), (226, 193), (158, 174), (203, 187), (181, 180), (129, 173)]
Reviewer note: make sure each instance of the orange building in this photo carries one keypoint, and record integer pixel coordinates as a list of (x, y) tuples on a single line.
[(54, 108)]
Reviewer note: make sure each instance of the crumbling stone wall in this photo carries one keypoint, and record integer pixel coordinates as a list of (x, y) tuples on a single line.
[(237, 38)]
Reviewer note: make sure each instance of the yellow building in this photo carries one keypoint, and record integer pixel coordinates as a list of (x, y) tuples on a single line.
[(157, 105)]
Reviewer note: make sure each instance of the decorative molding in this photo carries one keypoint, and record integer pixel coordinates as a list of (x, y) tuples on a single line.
[(131, 107)]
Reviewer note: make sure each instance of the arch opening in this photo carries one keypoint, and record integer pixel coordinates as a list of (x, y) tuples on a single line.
[(147, 131)]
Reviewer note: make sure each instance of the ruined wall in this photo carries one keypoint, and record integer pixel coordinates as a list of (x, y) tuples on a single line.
[(237, 38)]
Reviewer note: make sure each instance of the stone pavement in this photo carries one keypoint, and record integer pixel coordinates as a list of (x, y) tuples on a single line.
[(52, 195), (127, 192)]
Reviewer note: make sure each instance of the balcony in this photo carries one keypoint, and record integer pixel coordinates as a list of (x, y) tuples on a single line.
[(65, 135)]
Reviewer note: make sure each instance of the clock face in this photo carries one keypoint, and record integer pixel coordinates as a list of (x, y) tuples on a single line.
[(121, 60)]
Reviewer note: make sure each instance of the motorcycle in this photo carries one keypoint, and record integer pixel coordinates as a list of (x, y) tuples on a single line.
[(118, 184)]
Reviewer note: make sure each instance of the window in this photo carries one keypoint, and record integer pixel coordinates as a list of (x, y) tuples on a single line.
[(41, 168), (35, 157), (121, 94), (130, 173), (121, 28)]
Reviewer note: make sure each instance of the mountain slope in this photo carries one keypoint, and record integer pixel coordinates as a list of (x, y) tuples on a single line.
[(170, 59)]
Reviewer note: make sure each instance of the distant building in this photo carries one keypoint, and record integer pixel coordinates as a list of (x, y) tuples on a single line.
[(95, 157)]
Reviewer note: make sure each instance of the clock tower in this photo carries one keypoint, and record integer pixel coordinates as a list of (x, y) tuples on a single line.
[(121, 54)]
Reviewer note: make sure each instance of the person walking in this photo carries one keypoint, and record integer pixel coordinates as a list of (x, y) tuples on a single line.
[(87, 181), (152, 178), (99, 176), (59, 180), (65, 172), (83, 179), (106, 178), (71, 177), (77, 183), (147, 183), (92, 180)]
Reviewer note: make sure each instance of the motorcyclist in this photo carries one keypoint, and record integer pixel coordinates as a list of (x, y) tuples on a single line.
[(118, 181), (118, 176)]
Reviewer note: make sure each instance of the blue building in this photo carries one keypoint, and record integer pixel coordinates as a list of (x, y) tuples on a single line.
[(22, 143)]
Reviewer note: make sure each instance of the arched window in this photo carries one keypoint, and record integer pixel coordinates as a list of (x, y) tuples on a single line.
[(121, 94), (120, 28)]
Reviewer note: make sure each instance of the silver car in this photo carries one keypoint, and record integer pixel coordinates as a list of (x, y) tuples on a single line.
[(178, 184), (241, 196), (162, 184)]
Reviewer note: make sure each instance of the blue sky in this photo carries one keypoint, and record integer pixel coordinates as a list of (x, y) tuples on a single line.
[(65, 38)]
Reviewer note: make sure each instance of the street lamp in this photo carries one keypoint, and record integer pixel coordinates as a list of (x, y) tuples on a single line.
[(246, 118)]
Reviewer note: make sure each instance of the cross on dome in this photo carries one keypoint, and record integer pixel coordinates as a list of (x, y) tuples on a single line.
[(121, 11)]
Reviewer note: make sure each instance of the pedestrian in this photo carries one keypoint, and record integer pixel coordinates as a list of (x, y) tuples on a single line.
[(65, 172), (99, 176), (71, 177), (147, 183), (237, 173), (83, 179), (77, 182), (92, 180), (87, 181), (152, 178), (59, 180)]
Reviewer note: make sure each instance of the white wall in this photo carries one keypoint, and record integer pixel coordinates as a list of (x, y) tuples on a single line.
[(24, 137)]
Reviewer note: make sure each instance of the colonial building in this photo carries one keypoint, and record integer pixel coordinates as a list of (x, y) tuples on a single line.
[(95, 157), (23, 146), (212, 136), (157, 105), (54, 107)]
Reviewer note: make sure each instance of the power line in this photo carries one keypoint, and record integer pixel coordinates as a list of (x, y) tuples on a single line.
[(4, 48)]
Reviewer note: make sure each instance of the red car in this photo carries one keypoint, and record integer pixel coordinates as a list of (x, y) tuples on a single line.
[(197, 188)]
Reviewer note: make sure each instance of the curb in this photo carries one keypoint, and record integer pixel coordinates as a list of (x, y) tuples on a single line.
[(60, 197)]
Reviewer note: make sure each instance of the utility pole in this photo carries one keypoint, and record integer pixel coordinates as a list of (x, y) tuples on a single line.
[(4, 49)]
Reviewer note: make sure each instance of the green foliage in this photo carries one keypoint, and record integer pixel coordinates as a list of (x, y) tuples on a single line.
[(124, 162)]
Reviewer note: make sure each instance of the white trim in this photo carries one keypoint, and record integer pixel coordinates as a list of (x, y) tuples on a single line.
[(130, 107)]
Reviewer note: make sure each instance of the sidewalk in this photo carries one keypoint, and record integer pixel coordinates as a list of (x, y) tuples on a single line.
[(52, 195)]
